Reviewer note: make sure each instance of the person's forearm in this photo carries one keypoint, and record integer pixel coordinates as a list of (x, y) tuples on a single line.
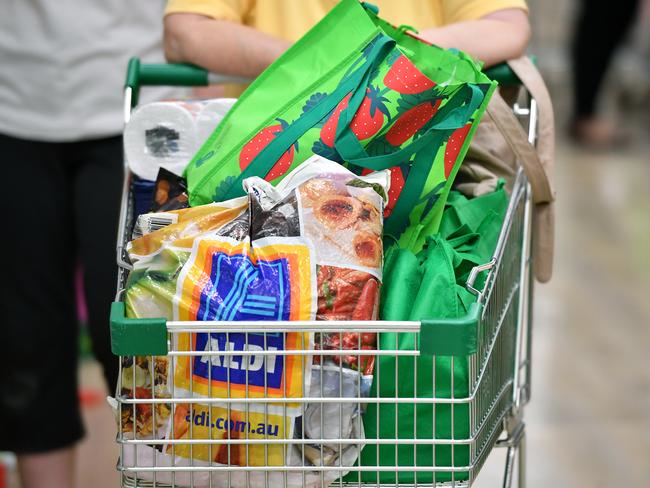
[(220, 46), (491, 40)]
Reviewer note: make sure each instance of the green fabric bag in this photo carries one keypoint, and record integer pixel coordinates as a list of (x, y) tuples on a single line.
[(361, 91), (436, 277)]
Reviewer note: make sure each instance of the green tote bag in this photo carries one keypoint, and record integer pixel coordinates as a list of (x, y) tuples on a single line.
[(435, 279), (357, 90)]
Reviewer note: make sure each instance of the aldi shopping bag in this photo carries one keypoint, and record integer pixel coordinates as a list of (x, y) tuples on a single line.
[(360, 91), (468, 235), (308, 248)]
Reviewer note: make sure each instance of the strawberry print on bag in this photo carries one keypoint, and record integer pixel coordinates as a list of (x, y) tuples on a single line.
[(411, 121), (259, 142), (405, 77), (454, 145)]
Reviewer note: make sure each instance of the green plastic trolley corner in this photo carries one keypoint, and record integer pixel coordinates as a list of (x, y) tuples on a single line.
[(137, 337), (451, 337)]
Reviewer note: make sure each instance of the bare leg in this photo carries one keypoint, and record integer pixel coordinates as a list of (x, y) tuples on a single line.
[(54, 469)]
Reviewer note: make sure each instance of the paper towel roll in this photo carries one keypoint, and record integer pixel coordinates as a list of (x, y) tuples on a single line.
[(211, 115), (161, 134), (167, 134)]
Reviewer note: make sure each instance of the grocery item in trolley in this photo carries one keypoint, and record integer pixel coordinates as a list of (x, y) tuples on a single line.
[(307, 249), (166, 134), (170, 192)]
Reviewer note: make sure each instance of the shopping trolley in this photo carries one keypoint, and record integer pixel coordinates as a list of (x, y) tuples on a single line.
[(492, 346)]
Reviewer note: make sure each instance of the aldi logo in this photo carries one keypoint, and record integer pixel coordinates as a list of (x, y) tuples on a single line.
[(242, 290), (259, 369), (224, 280)]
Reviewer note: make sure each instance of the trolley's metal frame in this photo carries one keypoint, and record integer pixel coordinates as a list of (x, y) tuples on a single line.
[(500, 370)]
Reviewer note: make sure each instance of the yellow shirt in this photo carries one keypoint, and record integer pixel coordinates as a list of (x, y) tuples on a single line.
[(290, 19)]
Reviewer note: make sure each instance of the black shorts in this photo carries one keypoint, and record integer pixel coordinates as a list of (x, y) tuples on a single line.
[(61, 207)]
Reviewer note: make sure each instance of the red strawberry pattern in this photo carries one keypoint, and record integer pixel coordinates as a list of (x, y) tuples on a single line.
[(328, 132), (253, 147), (454, 144), (397, 179), (411, 121), (368, 120), (404, 77)]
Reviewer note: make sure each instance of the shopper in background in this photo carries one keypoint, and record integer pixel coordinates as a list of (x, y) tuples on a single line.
[(63, 66), (242, 37), (601, 28)]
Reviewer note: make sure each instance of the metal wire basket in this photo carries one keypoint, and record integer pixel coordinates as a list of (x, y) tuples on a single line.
[(268, 404)]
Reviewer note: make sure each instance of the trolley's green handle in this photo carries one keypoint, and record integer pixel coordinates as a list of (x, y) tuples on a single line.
[(438, 337), (139, 74), (503, 74), (176, 74)]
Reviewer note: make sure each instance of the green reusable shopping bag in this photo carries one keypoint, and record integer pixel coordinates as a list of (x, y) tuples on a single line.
[(360, 91), (436, 277)]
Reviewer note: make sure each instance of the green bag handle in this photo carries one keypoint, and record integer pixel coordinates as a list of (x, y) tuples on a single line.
[(354, 83), (452, 117)]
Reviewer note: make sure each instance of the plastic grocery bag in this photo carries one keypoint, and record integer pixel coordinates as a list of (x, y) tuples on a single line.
[(359, 90), (468, 235), (159, 255), (307, 249)]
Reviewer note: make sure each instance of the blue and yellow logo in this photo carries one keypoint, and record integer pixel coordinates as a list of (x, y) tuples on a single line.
[(234, 281)]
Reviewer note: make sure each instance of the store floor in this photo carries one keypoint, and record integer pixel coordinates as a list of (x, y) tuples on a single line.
[(588, 422)]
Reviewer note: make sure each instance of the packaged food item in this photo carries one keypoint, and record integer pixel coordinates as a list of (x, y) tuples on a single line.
[(142, 191), (159, 253), (332, 420), (177, 229), (307, 249), (170, 192), (143, 379)]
